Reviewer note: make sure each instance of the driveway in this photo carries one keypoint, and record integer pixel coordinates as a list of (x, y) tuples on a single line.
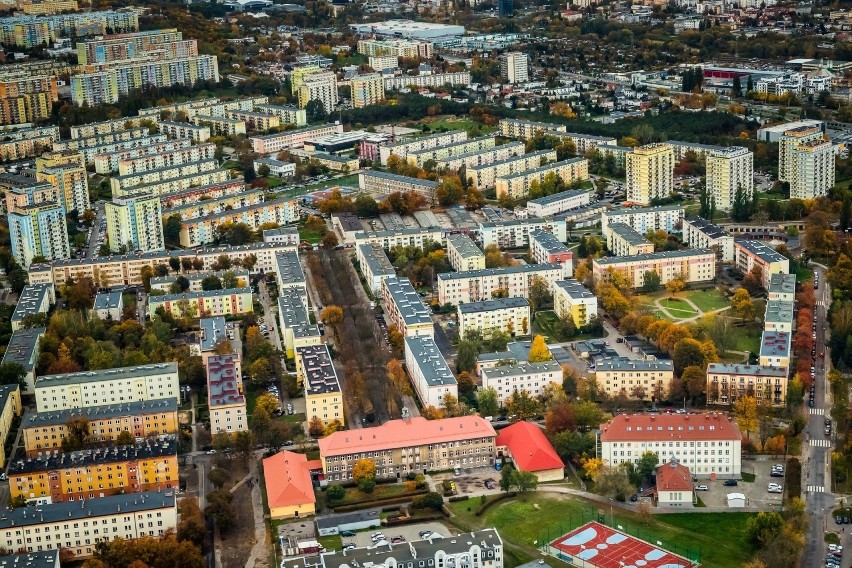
[(471, 481), (409, 532), (755, 492)]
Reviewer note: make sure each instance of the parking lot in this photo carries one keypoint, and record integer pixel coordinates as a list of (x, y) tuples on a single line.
[(471, 481), (408, 532), (755, 492)]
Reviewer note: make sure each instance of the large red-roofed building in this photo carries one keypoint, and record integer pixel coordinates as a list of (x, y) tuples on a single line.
[(410, 444), (594, 545), (530, 450), (289, 485), (709, 444)]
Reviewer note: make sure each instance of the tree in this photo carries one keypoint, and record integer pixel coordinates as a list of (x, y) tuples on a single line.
[(315, 111), (266, 403), (13, 374), (220, 507), (687, 352), (522, 405), (191, 526), (316, 428), (332, 315), (487, 401), (77, 434), (125, 438), (218, 477), (763, 527), (335, 492), (154, 552), (211, 282), (398, 378), (775, 445), (559, 419), (695, 380), (675, 285), (651, 282), (260, 372), (647, 464), (467, 355), (329, 240), (523, 480), (539, 351), (745, 413), (591, 467), (171, 229), (613, 482), (506, 477), (743, 305), (539, 294), (364, 469)]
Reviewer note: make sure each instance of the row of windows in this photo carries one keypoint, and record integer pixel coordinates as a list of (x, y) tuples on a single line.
[(707, 444)]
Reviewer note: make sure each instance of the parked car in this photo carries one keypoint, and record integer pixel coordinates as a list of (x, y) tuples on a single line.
[(730, 483), (702, 488), (347, 533)]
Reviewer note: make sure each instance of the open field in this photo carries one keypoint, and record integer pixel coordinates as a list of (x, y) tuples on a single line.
[(472, 127), (530, 521), (707, 300), (678, 308)]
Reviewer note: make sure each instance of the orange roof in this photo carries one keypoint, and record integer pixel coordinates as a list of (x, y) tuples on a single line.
[(673, 476), (665, 427), (288, 479), (394, 434), (530, 448)]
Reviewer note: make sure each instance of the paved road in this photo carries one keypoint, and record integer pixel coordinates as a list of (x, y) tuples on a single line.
[(269, 311), (816, 455), (93, 247)]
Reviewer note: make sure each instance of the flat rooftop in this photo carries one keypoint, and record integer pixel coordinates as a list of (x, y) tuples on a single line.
[(486, 272), (557, 197), (224, 387), (464, 245), (685, 253), (542, 169), (775, 344), (155, 299), (598, 546), (22, 347), (574, 289), (408, 302), (374, 255), (779, 311), (706, 227), (627, 365), (43, 559), (398, 178), (108, 300), (30, 300), (117, 373), (548, 241), (747, 370), (320, 375), (493, 305), (761, 250), (629, 234), (782, 284), (92, 413), (432, 364), (212, 331)]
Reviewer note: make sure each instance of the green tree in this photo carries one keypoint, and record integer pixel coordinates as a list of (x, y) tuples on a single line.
[(651, 282), (506, 477), (335, 492), (13, 374), (466, 356), (523, 480), (125, 438), (487, 401), (316, 111), (647, 464), (762, 528), (211, 282), (171, 229)]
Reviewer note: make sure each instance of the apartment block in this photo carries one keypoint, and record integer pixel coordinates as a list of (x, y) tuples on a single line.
[(409, 49), (527, 130), (420, 157), (274, 143), (636, 379), (106, 154), (463, 253), (288, 271), (518, 185), (123, 183), (221, 125), (789, 141), (726, 383), (374, 181), (557, 203), (20, 143), (211, 106), (402, 149), (779, 316), (624, 240), (126, 270), (151, 159), (319, 87), (397, 82), (225, 396), (150, 465), (401, 238), (109, 304), (521, 376), (429, 372), (650, 173), (232, 301), (197, 174), (134, 223), (116, 127), (100, 133), (177, 130), (515, 233), (374, 265), (367, 90), (212, 205), (323, 395), (34, 299), (154, 147), (164, 283), (700, 233), (643, 219), (729, 170), (482, 157), (383, 62), (333, 162), (782, 287), (26, 108), (749, 254), (43, 432), (194, 195), (812, 169), (545, 248), (295, 323), (118, 47), (10, 410), (410, 445), (508, 315), (585, 143), (48, 8), (23, 349), (775, 349), (485, 175), (572, 299), (694, 265), (472, 286), (69, 179), (288, 235), (515, 67), (107, 387), (255, 121), (202, 230), (709, 444), (287, 114), (406, 310), (77, 526), (38, 231)]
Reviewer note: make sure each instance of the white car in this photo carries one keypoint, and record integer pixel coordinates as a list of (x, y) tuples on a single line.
[(775, 488), (701, 488)]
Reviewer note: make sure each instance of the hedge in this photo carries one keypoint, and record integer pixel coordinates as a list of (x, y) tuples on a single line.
[(377, 502), (492, 501), (458, 498)]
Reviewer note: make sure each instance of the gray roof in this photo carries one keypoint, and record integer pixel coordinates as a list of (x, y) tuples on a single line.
[(497, 271), (287, 133), (548, 241), (556, 197), (697, 146), (574, 289), (106, 374), (159, 281), (782, 284), (761, 250), (399, 178), (510, 159), (61, 417), (149, 448), (517, 350), (336, 520), (628, 233), (176, 168), (410, 554), (212, 331), (495, 304), (755, 370), (453, 145), (779, 311), (545, 168), (154, 299), (5, 392), (485, 151), (432, 364), (464, 245), (428, 232), (22, 346), (706, 227), (624, 364), (348, 221), (42, 559), (182, 125), (641, 210), (409, 304), (183, 210), (320, 375), (31, 298), (71, 511), (438, 136), (238, 210), (286, 230), (291, 308), (685, 253), (108, 300), (374, 255), (529, 221), (775, 344)]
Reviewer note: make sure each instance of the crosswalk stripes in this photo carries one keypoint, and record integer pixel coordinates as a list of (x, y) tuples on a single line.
[(816, 489), (817, 411), (821, 443)]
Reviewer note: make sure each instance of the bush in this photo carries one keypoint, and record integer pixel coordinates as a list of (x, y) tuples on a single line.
[(367, 485), (493, 501), (335, 492), (459, 498), (431, 500), (410, 476)]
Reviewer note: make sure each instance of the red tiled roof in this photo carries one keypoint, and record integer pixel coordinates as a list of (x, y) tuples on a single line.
[(288, 479), (673, 477), (530, 448), (664, 427), (405, 433)]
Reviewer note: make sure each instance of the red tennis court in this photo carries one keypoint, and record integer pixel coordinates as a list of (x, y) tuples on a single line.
[(594, 545)]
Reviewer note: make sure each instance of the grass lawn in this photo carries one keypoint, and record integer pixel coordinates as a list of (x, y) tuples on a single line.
[(351, 180), (678, 308), (708, 300), (331, 542), (745, 338), (306, 234), (451, 123), (382, 491), (542, 518)]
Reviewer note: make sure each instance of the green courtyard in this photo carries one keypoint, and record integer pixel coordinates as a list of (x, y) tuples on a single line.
[(529, 521), (686, 305)]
